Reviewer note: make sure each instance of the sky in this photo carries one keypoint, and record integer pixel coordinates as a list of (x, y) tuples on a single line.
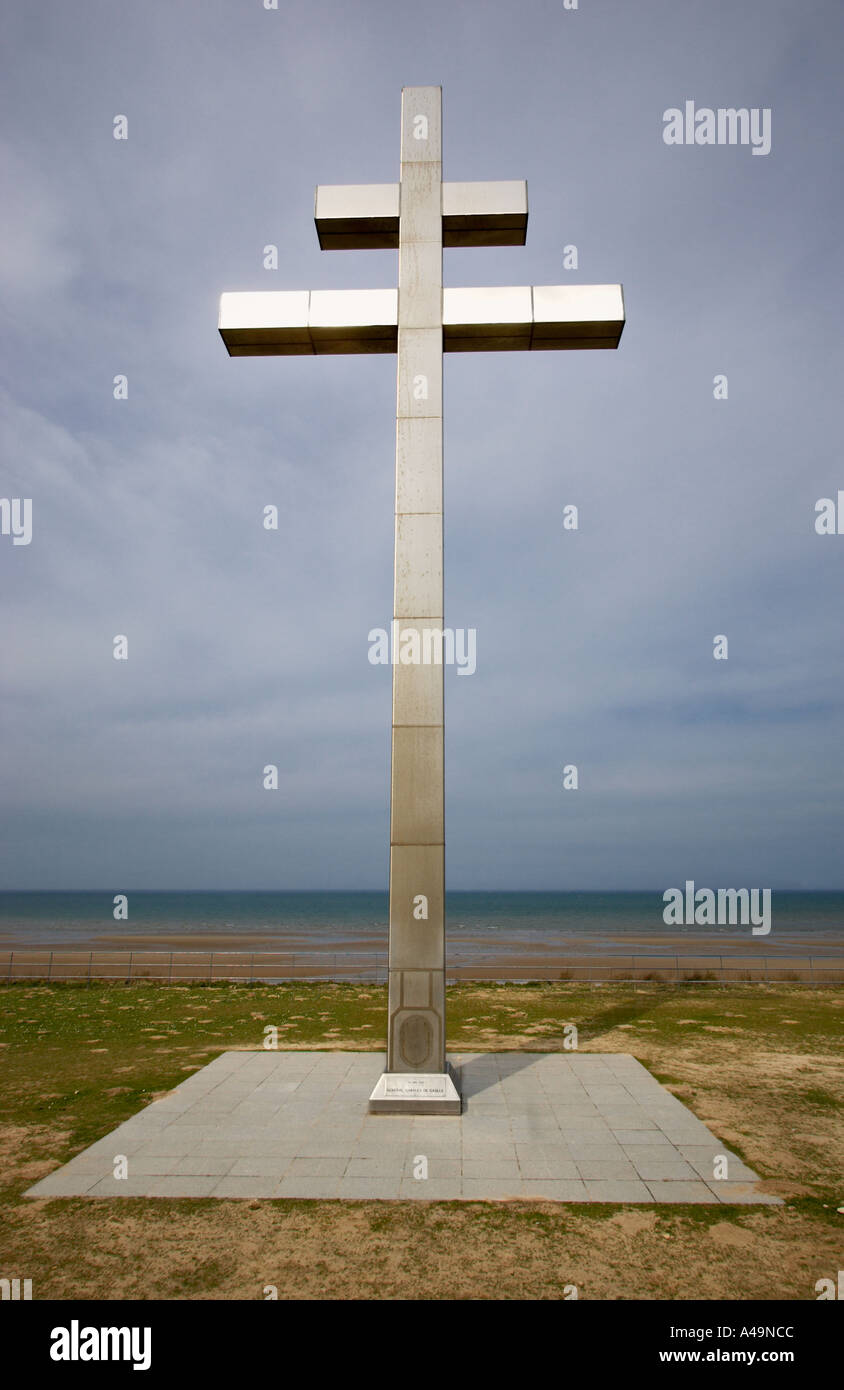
[(249, 647)]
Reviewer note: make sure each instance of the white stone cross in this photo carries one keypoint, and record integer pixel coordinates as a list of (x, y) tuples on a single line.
[(419, 321)]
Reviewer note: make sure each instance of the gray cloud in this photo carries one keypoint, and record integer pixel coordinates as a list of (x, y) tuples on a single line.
[(249, 647)]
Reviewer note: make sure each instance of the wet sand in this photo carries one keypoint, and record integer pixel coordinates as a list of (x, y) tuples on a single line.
[(220, 956), (740, 941)]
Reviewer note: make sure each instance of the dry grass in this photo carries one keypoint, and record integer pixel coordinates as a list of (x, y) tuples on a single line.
[(760, 1064)]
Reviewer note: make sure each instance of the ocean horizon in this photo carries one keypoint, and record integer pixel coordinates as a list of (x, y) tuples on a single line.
[(358, 916)]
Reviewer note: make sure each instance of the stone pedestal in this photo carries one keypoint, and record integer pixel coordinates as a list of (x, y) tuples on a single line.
[(415, 1093)]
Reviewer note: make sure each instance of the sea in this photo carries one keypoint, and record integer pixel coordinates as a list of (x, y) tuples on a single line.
[(588, 921)]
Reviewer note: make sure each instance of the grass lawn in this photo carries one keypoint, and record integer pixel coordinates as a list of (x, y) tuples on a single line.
[(760, 1064)]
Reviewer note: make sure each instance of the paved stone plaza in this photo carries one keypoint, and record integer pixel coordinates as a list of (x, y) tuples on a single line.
[(569, 1127)]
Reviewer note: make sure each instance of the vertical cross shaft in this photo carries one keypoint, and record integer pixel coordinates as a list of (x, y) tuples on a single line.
[(416, 1032)]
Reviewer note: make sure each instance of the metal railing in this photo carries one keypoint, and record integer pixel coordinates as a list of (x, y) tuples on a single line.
[(268, 967)]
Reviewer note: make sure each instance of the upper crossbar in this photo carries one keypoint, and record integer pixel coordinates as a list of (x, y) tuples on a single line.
[(365, 216)]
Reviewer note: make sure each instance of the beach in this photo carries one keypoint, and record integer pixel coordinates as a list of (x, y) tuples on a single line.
[(269, 935), (285, 956)]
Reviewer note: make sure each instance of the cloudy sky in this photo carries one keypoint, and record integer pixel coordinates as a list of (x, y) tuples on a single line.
[(249, 647)]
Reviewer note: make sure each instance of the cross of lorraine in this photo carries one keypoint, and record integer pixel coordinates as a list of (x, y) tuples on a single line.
[(419, 320)]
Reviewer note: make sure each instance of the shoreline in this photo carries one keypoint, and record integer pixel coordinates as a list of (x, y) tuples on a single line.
[(217, 957), (562, 946)]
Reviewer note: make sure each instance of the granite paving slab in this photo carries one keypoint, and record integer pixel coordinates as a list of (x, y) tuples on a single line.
[(560, 1127)]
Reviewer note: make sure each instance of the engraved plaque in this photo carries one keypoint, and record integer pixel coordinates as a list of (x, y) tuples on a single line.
[(416, 1085), (415, 1093)]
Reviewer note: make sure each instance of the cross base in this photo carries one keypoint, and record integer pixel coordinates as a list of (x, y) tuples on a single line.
[(416, 1093)]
